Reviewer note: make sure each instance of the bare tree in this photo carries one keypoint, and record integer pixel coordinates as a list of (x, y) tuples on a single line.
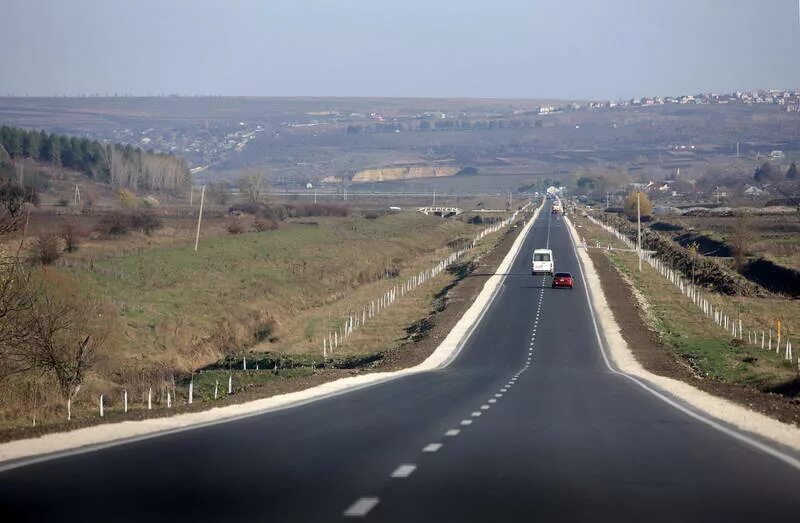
[(741, 238), (67, 333), (252, 184)]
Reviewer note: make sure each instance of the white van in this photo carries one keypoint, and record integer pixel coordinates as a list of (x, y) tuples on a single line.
[(542, 262)]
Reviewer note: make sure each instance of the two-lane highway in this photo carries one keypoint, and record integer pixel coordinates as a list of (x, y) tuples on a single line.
[(528, 423)]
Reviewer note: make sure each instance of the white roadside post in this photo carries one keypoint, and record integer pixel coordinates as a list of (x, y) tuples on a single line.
[(101, 406), (191, 390), (169, 400), (125, 400), (216, 389), (230, 383), (639, 226), (150, 399)]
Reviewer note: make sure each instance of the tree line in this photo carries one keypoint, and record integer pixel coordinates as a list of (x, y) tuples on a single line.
[(119, 165), (443, 125)]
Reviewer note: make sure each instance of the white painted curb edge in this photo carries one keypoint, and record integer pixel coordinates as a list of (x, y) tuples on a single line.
[(24, 452), (622, 361)]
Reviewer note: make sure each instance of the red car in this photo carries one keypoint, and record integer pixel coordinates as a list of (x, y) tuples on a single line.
[(562, 279)]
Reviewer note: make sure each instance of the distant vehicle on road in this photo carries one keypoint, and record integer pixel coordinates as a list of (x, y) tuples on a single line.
[(542, 262), (562, 280), (557, 208)]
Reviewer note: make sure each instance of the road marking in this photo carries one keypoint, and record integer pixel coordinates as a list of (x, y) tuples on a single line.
[(498, 395), (503, 390), (466, 422), (433, 447), (361, 507), (403, 471), (485, 407), (452, 432), (476, 414), (492, 400)]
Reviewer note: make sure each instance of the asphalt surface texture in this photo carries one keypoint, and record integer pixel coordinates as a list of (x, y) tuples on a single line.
[(527, 424)]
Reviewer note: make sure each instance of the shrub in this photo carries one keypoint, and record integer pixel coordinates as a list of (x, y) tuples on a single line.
[(63, 202), (126, 198), (150, 202), (71, 233), (265, 225), (45, 249), (371, 215), (115, 224), (146, 221), (235, 227)]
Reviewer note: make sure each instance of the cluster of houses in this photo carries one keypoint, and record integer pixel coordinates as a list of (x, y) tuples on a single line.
[(787, 98)]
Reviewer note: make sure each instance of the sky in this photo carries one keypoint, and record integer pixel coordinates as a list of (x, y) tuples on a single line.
[(564, 49)]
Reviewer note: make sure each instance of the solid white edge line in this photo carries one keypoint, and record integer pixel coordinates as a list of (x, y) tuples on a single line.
[(789, 460), (32, 459)]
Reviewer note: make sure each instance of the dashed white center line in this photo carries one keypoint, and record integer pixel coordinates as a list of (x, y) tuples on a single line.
[(485, 407), (498, 395), (452, 432), (432, 447), (403, 471), (466, 422), (503, 390), (476, 414), (361, 507), (492, 400)]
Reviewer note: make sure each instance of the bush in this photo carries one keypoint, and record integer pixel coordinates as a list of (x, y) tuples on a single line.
[(63, 202), (371, 215), (71, 233), (265, 225), (126, 198), (115, 224), (146, 221), (45, 249), (235, 227)]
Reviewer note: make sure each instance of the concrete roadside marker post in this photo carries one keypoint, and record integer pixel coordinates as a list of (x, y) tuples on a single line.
[(69, 409), (150, 399), (101, 405), (216, 389), (191, 390), (125, 401), (199, 218), (169, 400), (230, 383)]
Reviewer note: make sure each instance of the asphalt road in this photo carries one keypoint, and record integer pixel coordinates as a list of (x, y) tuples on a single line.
[(546, 432)]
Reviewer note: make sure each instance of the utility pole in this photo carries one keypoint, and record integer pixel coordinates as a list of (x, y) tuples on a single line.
[(434, 198), (639, 226), (199, 217), (737, 149)]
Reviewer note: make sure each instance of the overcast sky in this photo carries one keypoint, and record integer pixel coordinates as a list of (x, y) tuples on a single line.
[(574, 49)]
